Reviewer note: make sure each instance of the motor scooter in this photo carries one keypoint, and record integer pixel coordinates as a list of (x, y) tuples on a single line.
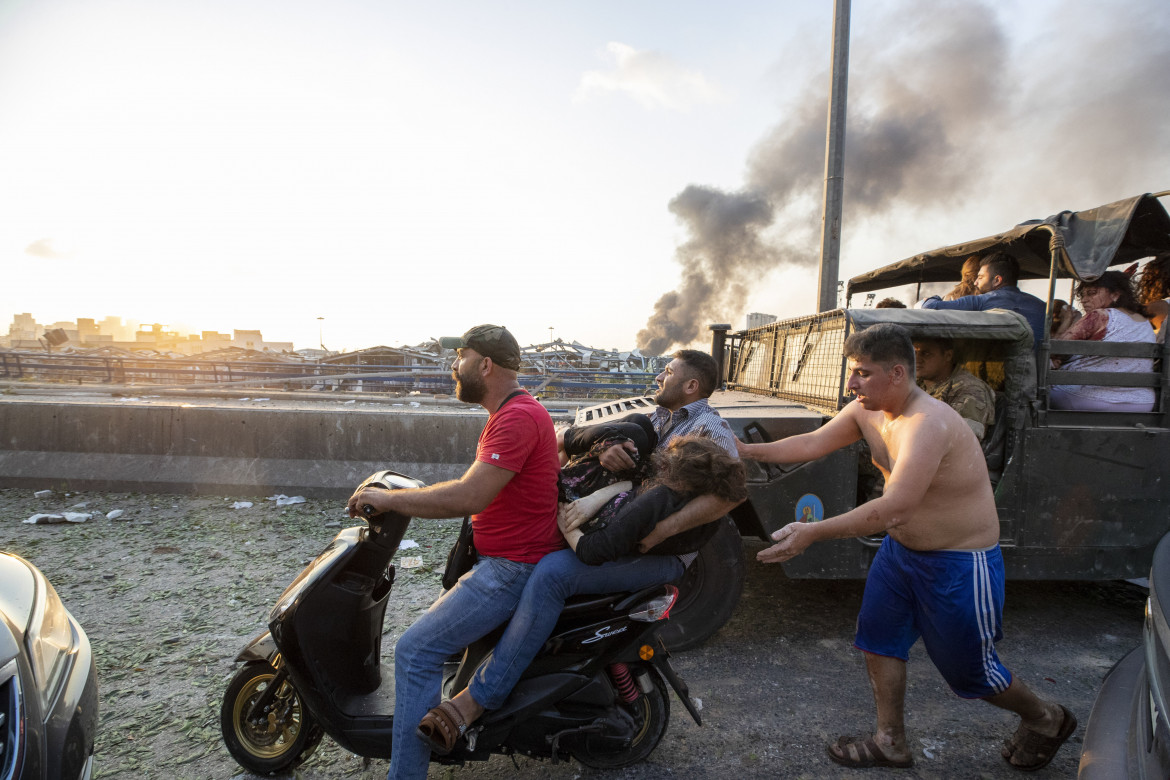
[(595, 692)]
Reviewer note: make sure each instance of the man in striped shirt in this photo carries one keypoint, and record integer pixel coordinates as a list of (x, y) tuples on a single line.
[(683, 410), (939, 572), (684, 387)]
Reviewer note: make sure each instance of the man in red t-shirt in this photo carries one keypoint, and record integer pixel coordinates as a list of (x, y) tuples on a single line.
[(510, 491)]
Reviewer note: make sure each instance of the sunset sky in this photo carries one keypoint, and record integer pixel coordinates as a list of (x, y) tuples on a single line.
[(406, 170)]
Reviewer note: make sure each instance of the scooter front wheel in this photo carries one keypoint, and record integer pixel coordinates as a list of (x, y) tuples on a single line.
[(282, 739)]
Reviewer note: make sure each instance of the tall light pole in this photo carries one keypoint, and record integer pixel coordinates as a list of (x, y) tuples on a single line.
[(834, 160), (321, 333)]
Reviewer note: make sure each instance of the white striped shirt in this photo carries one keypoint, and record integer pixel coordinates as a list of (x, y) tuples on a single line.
[(696, 418)]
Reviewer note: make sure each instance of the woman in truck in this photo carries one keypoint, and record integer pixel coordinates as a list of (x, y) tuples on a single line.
[(1112, 313), (1154, 292)]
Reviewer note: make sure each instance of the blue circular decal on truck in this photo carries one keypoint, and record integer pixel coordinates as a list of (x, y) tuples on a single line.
[(809, 509)]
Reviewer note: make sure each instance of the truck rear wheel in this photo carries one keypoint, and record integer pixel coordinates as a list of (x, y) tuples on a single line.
[(708, 591)]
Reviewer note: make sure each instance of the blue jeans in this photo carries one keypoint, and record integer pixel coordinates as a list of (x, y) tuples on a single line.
[(557, 576), (482, 599)]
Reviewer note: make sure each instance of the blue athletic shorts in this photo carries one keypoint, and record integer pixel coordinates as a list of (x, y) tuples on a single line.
[(953, 599)]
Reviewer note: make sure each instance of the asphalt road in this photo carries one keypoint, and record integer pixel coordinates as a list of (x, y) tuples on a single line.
[(171, 590), (782, 679)]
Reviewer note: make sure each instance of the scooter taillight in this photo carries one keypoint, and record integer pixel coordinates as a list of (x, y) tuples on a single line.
[(657, 608)]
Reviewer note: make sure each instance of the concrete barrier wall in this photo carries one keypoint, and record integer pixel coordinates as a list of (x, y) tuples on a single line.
[(229, 451)]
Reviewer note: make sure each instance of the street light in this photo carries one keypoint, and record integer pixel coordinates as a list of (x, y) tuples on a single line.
[(321, 333)]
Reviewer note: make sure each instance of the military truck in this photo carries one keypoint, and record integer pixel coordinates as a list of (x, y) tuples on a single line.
[(1080, 495)]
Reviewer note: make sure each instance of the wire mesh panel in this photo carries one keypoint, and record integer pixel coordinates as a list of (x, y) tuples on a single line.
[(798, 360)]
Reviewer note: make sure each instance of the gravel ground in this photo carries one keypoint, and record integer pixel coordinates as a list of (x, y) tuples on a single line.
[(170, 591)]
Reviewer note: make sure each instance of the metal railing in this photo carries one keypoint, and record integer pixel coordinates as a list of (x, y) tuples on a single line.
[(204, 374), (798, 360)]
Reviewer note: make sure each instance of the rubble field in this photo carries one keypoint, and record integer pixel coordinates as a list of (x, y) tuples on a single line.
[(171, 589)]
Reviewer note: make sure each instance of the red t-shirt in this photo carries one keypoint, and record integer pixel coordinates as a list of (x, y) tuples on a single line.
[(521, 521)]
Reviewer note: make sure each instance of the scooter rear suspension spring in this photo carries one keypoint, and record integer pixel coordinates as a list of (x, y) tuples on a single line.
[(624, 682)]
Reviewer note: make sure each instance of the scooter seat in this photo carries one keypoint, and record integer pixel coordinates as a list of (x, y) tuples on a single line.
[(579, 605)]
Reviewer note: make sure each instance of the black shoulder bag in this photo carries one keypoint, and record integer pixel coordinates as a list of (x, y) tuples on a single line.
[(461, 557)]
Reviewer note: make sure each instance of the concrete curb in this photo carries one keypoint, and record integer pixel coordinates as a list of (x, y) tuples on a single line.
[(210, 450)]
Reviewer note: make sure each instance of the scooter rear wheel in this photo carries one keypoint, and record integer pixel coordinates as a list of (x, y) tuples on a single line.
[(708, 591), (285, 739), (651, 714)]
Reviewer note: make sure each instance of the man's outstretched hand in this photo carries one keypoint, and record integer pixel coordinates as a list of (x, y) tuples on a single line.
[(791, 541)]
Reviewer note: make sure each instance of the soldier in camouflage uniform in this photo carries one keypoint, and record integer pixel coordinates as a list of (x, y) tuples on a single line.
[(938, 374)]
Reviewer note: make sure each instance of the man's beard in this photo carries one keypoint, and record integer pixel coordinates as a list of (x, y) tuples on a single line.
[(470, 389), (666, 398)]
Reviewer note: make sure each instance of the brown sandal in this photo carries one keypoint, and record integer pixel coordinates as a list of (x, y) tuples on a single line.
[(1034, 750), (441, 727), (863, 753)]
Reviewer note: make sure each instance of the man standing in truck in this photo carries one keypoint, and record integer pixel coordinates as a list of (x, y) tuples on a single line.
[(939, 572), (996, 282)]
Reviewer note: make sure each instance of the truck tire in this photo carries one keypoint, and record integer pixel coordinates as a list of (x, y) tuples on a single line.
[(708, 591)]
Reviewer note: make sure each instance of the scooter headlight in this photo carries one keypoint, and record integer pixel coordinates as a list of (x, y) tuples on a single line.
[(657, 608), (49, 640)]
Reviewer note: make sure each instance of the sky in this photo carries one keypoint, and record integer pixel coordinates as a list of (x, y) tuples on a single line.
[(620, 174)]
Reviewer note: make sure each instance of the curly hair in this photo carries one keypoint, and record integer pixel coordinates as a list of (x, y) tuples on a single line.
[(966, 285), (1154, 282), (1115, 282), (695, 465)]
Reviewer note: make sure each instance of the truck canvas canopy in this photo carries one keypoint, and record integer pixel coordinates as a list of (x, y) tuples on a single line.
[(1087, 243)]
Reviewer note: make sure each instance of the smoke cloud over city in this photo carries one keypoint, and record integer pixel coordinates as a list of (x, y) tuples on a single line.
[(934, 95)]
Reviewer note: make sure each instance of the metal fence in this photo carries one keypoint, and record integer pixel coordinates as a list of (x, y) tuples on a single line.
[(204, 374), (798, 360)]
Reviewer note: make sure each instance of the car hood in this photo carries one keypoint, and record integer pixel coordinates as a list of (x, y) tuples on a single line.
[(18, 588)]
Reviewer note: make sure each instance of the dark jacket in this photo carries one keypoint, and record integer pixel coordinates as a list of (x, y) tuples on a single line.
[(613, 538)]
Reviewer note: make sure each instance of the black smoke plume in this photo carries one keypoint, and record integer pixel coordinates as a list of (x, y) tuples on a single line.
[(935, 93)]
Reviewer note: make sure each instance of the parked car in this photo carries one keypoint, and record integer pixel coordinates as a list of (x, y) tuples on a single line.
[(48, 682), (1128, 735)]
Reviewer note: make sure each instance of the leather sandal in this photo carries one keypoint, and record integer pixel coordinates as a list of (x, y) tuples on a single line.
[(1028, 750), (863, 753), (441, 727)]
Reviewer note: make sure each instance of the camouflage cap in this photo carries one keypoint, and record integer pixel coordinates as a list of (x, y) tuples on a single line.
[(492, 341)]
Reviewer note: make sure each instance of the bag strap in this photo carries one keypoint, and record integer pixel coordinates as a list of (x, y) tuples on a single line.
[(511, 395)]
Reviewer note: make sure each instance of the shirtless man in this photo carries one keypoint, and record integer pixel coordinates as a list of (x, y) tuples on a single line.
[(939, 572)]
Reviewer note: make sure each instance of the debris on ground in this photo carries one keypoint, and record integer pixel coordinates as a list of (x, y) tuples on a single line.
[(44, 518), (283, 500)]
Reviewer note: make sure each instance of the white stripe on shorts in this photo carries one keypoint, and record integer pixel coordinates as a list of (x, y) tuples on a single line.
[(985, 613)]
